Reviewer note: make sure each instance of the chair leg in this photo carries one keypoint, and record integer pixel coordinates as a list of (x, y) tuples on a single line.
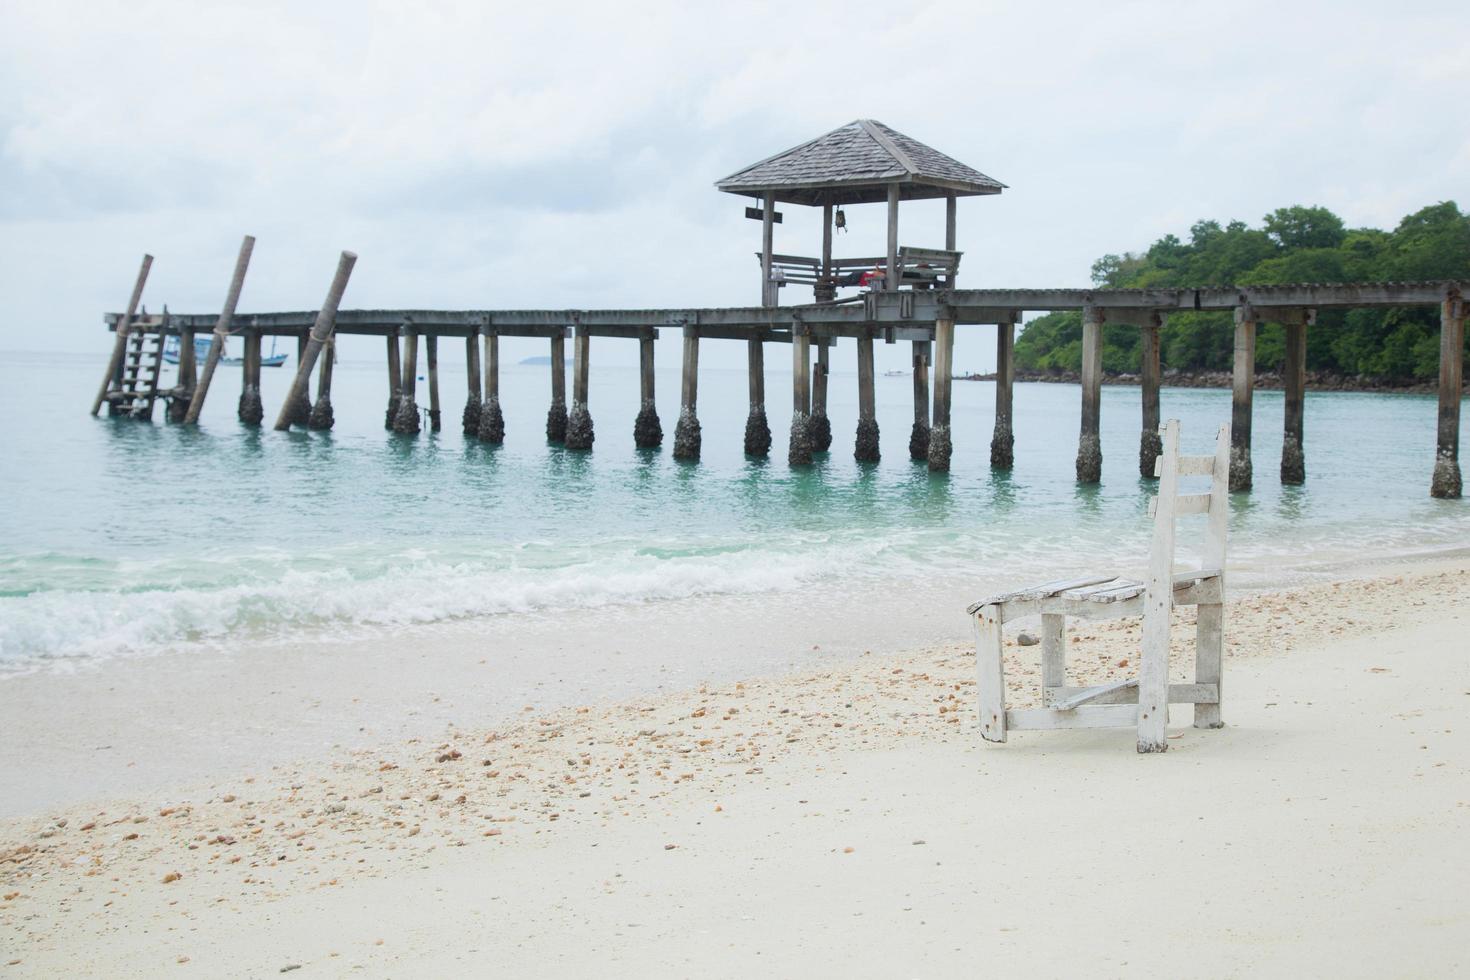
[(1053, 654), (1209, 661), (989, 661), (1153, 676)]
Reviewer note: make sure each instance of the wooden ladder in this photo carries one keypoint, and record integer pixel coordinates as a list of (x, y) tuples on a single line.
[(141, 368)]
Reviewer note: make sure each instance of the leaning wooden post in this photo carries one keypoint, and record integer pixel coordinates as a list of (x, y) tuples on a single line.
[(686, 432), (556, 415), (819, 426), (470, 419), (321, 417), (579, 423), (431, 351), (799, 451), (891, 270), (940, 445), (647, 432), (1089, 442), (395, 381), (321, 332), (492, 421), (221, 331), (919, 437), (1243, 385), (406, 421), (1293, 456), (757, 430), (865, 449), (120, 338), (250, 410), (1150, 443), (1446, 482), (1003, 439)]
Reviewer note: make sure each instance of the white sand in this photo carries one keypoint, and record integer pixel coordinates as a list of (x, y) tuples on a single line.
[(1325, 831)]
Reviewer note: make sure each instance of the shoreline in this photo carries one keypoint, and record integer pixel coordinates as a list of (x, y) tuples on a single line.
[(396, 814), (1264, 380)]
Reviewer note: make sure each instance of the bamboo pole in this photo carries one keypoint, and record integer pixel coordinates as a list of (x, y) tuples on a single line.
[(326, 319), (120, 339), (221, 331)]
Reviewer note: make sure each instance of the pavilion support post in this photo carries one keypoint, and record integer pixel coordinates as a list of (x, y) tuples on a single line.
[(1150, 442), (1003, 439), (826, 289), (297, 408), (940, 445), (819, 427), (686, 432), (178, 403), (799, 451), (579, 423), (1446, 482), (1242, 389), (647, 432), (866, 448), (919, 437), (470, 420), (950, 237), (1089, 442), (395, 382), (221, 331), (120, 338), (757, 430), (321, 332), (406, 422), (891, 269), (250, 410), (769, 295), (556, 415), (1293, 453), (492, 421), (321, 417), (431, 350)]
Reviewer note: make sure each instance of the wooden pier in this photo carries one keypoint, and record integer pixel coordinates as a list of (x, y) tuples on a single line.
[(910, 295)]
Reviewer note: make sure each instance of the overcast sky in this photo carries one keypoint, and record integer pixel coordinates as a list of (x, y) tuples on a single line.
[(484, 155)]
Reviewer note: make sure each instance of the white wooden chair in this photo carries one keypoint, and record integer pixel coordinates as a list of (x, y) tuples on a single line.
[(1142, 701)]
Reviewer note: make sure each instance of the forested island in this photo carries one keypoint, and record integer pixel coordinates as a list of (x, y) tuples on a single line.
[(1361, 349)]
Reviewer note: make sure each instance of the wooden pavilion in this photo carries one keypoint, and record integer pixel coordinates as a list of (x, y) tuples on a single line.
[(864, 162)]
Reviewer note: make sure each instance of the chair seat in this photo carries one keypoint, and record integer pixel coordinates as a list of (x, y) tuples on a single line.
[(1093, 588)]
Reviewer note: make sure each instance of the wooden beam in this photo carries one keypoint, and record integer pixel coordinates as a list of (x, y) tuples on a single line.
[(321, 332), (769, 295), (892, 266), (221, 331)]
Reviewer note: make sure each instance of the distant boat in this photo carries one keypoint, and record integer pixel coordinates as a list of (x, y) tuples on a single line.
[(895, 374), (541, 359), (201, 351)]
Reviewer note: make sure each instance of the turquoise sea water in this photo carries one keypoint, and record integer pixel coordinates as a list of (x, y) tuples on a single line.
[(119, 537)]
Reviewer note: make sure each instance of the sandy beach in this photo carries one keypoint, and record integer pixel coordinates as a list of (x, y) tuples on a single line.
[(842, 820)]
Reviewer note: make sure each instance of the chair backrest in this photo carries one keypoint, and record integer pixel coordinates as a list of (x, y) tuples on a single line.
[(1171, 504)]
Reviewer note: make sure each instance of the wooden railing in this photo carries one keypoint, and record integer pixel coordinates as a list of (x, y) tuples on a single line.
[(920, 268)]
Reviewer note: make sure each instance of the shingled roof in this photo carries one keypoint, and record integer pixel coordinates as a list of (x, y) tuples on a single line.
[(855, 164)]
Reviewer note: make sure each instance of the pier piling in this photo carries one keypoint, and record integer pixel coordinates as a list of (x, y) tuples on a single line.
[(221, 331), (1003, 439), (919, 437), (431, 351), (470, 419), (819, 426), (299, 400), (865, 448), (1243, 384), (321, 332), (799, 449), (1089, 442), (556, 415), (1150, 443), (579, 423), (757, 430), (940, 445), (120, 339), (250, 411), (492, 421), (686, 431), (188, 378), (395, 383), (321, 418), (647, 432), (406, 421), (1293, 454), (1446, 481)]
